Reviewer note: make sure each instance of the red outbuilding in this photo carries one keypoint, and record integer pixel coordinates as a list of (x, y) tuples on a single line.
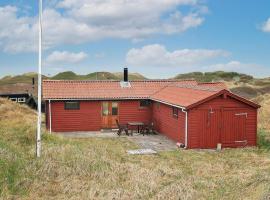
[(198, 115)]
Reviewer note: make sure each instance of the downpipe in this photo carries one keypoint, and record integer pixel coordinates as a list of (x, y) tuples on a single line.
[(186, 127)]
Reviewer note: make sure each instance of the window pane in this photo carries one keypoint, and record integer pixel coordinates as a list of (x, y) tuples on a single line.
[(175, 112), (72, 105), (21, 100), (144, 103), (114, 108), (105, 108)]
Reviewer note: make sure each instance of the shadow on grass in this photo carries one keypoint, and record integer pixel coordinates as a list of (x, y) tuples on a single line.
[(264, 139)]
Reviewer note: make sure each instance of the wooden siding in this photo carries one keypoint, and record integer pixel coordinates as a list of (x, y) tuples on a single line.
[(130, 111), (222, 125), (88, 118), (168, 125)]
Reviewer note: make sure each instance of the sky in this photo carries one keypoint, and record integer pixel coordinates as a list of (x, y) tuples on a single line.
[(157, 38)]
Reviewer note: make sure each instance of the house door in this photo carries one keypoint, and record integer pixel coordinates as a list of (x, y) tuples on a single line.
[(209, 127), (234, 131), (109, 114)]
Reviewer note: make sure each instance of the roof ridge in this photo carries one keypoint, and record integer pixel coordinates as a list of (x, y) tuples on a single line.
[(161, 89), (211, 82), (151, 80), (50, 80), (198, 87)]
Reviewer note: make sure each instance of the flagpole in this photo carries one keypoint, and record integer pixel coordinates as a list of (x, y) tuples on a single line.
[(38, 136)]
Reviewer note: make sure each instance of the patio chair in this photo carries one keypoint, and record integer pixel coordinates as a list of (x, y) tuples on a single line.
[(149, 128), (121, 128)]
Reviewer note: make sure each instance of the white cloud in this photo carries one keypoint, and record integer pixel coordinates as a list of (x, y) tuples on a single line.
[(99, 55), (16, 34), (60, 57), (266, 26), (79, 21), (158, 55)]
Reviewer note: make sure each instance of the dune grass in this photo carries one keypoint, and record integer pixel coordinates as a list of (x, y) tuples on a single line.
[(99, 168)]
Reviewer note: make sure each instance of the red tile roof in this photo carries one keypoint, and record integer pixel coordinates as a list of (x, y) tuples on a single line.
[(183, 96), (53, 89), (182, 93)]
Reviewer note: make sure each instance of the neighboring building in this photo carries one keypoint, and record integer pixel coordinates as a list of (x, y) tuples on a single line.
[(23, 98), (198, 115)]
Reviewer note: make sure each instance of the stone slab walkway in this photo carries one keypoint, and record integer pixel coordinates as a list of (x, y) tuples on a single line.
[(157, 142)]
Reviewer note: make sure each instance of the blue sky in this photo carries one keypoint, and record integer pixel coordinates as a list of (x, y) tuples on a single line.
[(158, 38)]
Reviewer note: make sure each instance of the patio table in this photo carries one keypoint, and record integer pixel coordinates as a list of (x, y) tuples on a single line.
[(138, 124)]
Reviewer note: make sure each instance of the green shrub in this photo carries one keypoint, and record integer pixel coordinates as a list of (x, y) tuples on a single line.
[(263, 142)]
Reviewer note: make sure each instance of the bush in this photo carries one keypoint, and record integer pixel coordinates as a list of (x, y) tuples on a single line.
[(263, 142)]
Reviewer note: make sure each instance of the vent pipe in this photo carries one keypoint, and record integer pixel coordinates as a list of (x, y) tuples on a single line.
[(125, 74)]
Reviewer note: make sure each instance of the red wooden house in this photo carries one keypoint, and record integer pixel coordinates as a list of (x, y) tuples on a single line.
[(198, 115)]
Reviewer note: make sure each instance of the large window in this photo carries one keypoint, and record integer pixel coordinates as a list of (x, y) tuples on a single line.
[(145, 103), (72, 105), (175, 112)]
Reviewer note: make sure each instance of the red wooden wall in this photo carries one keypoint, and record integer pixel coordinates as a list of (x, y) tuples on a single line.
[(204, 130), (86, 119), (222, 125), (168, 125), (130, 111)]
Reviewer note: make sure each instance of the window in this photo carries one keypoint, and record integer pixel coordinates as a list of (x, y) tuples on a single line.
[(13, 99), (175, 112), (144, 103), (72, 105), (21, 100), (158, 105), (114, 108)]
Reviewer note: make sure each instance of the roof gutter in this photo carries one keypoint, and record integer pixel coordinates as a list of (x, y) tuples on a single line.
[(114, 99), (170, 104)]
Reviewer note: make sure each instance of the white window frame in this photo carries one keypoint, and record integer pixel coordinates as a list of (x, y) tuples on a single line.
[(14, 99), (21, 100)]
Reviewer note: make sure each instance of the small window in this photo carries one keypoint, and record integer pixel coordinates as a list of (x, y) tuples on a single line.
[(13, 99), (144, 103), (72, 105), (21, 100), (158, 105), (175, 112), (114, 108), (105, 108)]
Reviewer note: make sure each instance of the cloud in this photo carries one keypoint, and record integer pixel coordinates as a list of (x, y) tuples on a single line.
[(158, 55), (99, 55), (80, 21), (132, 19), (266, 26), (63, 57), (16, 34)]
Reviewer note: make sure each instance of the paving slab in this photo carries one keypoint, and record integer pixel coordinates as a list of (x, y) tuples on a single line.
[(156, 142)]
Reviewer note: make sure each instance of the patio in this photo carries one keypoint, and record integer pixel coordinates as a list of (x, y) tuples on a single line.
[(155, 142)]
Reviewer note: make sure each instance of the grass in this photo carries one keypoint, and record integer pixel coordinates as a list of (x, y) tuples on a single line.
[(99, 168), (215, 76)]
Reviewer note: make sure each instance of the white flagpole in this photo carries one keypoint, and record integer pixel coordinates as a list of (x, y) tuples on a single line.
[(38, 136)]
